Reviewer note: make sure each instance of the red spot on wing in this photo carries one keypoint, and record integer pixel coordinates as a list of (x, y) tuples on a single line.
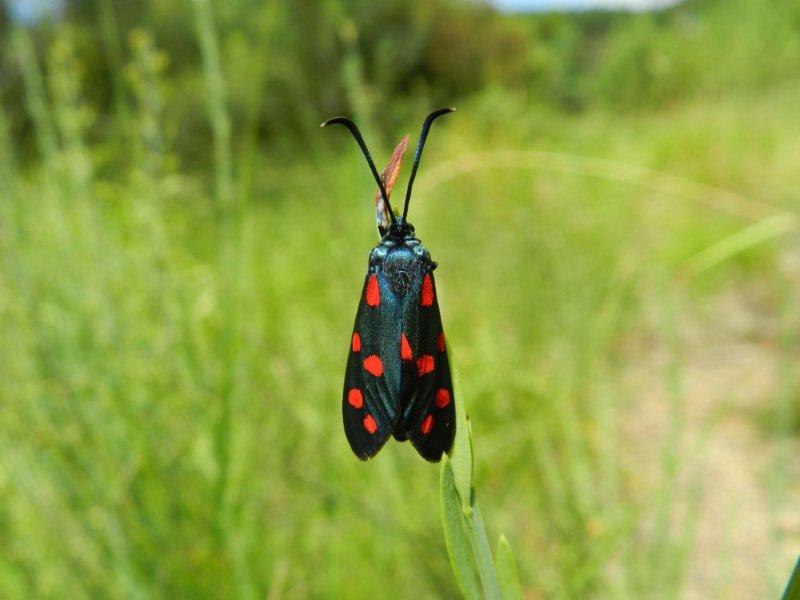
[(373, 295), (354, 398), (370, 424), (356, 343), (405, 348), (427, 425), (373, 365), (440, 342), (426, 295), (425, 364), (442, 398)]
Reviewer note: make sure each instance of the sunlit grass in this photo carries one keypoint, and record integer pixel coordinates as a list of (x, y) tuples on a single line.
[(171, 373)]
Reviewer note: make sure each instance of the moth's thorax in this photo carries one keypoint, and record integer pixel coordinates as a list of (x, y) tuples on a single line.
[(402, 262)]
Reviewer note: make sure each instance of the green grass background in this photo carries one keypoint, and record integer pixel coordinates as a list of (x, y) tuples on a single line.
[(174, 334)]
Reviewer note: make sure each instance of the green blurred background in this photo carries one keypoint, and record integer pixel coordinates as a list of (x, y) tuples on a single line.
[(614, 208)]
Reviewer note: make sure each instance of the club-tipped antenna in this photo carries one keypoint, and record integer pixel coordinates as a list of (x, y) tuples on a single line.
[(357, 134), (426, 125)]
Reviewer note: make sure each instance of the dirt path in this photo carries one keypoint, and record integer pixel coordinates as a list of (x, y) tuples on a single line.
[(748, 512)]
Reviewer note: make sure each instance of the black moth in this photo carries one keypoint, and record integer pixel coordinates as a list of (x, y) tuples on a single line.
[(397, 380)]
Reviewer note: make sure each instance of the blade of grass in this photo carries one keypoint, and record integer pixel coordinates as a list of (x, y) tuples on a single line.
[(507, 575), (461, 453), (741, 241), (574, 164), (465, 532), (35, 96), (454, 535), (476, 532), (792, 591), (218, 114)]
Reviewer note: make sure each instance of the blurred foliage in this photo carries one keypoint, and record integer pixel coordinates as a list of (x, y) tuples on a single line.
[(171, 363), (288, 64)]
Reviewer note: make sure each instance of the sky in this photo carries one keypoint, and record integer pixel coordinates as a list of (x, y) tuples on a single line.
[(28, 12), (541, 5)]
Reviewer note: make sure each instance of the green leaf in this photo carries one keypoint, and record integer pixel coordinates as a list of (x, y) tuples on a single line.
[(506, 566), (458, 546), (481, 552), (792, 591), (461, 453)]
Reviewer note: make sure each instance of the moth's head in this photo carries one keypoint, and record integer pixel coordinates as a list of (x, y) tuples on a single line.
[(388, 224), (399, 229)]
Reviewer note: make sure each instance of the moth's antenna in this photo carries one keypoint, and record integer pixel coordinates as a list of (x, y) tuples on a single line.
[(357, 134), (426, 125)]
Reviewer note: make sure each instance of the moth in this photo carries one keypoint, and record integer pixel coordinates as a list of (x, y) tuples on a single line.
[(397, 381)]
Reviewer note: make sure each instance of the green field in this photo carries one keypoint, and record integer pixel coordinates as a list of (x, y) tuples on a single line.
[(618, 285)]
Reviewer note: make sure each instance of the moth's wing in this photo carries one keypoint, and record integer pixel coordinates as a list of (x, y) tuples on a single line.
[(371, 398), (428, 418)]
